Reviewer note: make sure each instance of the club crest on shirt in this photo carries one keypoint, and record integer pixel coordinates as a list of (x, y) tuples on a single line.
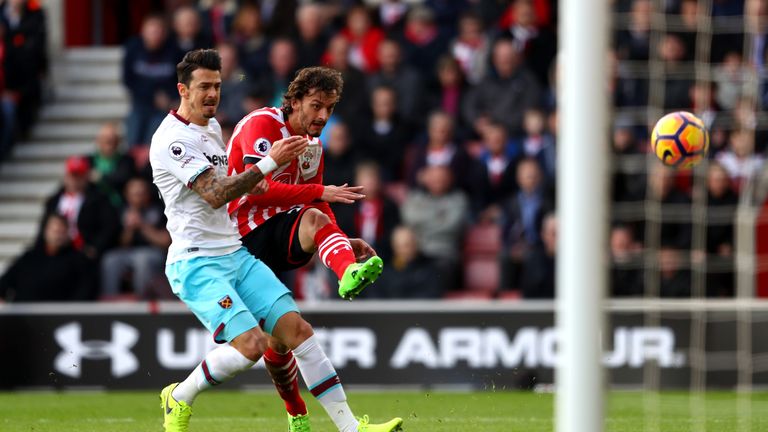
[(262, 145), (177, 150), (225, 302)]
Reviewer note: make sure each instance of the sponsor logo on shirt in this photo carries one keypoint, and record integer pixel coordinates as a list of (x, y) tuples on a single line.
[(216, 159)]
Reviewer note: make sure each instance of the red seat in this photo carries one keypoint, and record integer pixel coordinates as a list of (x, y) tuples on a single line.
[(482, 275), (482, 239)]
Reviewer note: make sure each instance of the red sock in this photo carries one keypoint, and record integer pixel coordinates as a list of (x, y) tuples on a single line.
[(284, 372), (334, 249)]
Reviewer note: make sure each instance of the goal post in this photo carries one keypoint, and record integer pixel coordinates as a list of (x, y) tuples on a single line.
[(582, 204)]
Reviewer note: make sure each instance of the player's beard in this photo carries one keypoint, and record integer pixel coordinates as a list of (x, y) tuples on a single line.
[(209, 114), (318, 128)]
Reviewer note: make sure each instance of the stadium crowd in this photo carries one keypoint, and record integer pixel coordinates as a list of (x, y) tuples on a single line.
[(448, 118)]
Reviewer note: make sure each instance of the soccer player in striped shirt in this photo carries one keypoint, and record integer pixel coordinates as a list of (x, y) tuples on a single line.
[(292, 220), (234, 295)]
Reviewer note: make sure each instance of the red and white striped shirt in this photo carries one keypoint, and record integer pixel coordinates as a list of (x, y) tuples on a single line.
[(293, 185)]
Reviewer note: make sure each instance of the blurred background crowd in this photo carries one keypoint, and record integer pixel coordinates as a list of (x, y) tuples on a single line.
[(448, 118)]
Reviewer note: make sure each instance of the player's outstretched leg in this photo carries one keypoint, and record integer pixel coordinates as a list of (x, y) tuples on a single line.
[(321, 378), (220, 365), (283, 370), (336, 253)]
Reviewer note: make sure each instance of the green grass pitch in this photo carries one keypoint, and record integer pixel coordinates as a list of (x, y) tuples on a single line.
[(423, 411)]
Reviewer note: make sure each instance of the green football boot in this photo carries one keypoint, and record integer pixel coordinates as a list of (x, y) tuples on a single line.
[(299, 423), (358, 276), (176, 414), (393, 425)]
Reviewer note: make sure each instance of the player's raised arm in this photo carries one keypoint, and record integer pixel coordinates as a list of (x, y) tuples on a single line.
[(218, 190)]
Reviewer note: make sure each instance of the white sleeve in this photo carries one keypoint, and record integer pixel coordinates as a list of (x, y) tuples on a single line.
[(184, 160)]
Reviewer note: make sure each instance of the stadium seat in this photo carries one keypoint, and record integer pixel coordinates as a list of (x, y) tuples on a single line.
[(482, 239), (481, 275)]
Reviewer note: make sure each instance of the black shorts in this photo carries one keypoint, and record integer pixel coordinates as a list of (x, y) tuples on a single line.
[(276, 241)]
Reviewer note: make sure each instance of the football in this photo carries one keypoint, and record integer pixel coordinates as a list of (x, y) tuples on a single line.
[(680, 140)]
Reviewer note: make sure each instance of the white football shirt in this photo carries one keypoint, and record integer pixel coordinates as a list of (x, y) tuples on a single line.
[(180, 152)]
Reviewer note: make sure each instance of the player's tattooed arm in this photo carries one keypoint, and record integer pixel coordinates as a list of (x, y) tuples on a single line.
[(218, 191)]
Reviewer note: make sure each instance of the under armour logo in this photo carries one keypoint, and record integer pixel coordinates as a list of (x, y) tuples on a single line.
[(75, 349)]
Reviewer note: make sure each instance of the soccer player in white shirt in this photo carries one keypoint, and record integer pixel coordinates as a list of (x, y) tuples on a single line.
[(235, 296)]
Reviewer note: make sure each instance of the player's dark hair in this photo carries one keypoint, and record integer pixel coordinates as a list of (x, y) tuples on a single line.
[(197, 59), (316, 78)]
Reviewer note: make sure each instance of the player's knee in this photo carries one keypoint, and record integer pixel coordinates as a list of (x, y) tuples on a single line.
[(302, 332), (251, 344), (317, 219)]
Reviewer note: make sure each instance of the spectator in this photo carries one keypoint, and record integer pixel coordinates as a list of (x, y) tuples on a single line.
[(384, 136), (522, 214), (7, 103), (703, 105), (537, 43), (745, 118), (740, 160), (498, 156), (730, 77), (441, 149), (339, 157), (374, 217), (626, 263), (282, 66), (252, 44), (187, 31), (471, 48), (149, 73), (506, 96), (676, 90), (25, 58), (675, 208), (52, 270), (450, 92), (143, 241), (410, 274), (634, 43), (720, 216), (93, 224), (423, 42), (689, 18), (404, 79), (234, 86), (218, 17), (278, 16), (391, 14), (675, 280), (110, 168), (629, 183), (538, 276), (311, 39), (364, 39), (438, 215), (354, 94), (538, 143)]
